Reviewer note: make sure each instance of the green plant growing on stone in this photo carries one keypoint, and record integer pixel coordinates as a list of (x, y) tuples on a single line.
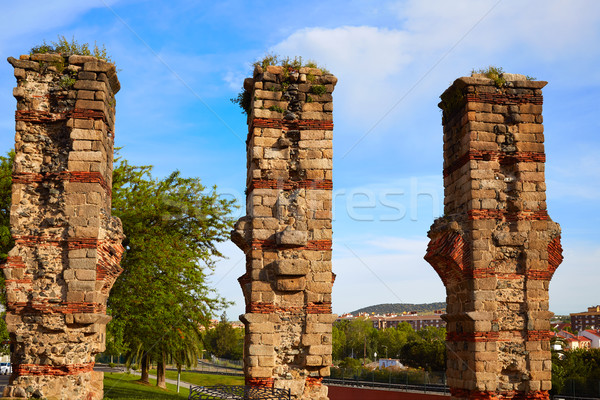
[(530, 78), (268, 59), (66, 81), (288, 65), (494, 73), (318, 89), (42, 49), (68, 48), (276, 108), (59, 65), (243, 100), (292, 65), (451, 102), (309, 98)]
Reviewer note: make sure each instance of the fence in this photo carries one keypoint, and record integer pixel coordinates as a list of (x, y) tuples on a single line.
[(407, 377), (577, 388), (239, 364)]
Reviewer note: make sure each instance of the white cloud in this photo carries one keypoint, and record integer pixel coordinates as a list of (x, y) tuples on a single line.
[(365, 59), (376, 66)]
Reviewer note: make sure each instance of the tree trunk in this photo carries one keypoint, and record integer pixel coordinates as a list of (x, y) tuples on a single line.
[(145, 367), (178, 376), (160, 372)]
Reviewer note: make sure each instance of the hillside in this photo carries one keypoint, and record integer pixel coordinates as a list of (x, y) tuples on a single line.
[(399, 308)]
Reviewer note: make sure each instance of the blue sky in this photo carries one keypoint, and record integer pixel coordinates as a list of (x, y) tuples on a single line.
[(181, 62)]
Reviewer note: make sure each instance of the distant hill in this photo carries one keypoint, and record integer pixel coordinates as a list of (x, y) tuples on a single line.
[(399, 308)]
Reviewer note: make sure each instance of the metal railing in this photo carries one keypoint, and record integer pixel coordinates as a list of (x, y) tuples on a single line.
[(238, 392), (405, 387)]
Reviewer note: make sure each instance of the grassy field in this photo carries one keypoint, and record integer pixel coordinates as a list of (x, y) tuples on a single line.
[(124, 386), (204, 379)]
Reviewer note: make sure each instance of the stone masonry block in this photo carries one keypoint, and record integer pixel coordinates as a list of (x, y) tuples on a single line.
[(89, 85), (291, 284), (291, 267), (292, 237)]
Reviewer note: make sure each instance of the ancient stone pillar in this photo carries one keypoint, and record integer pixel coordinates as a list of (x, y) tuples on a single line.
[(286, 233), (67, 245), (495, 248)]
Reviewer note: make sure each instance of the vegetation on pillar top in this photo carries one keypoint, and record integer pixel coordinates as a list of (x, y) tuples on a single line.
[(496, 74), (288, 63), (288, 66), (68, 48), (492, 72), (453, 98)]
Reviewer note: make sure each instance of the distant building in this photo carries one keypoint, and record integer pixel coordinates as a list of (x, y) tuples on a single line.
[(389, 362), (393, 320), (593, 335), (586, 320), (566, 335), (557, 341), (416, 321), (578, 342), (559, 325)]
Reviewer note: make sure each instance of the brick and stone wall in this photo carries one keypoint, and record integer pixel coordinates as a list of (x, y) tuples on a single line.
[(67, 244), (286, 234), (495, 248)]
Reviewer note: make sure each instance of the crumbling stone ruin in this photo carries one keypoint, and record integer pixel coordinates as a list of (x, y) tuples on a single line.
[(67, 245), (495, 248), (286, 234)]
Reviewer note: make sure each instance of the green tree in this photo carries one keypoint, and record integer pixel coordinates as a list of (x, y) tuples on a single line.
[(426, 349), (161, 300), (225, 341), (576, 372), (338, 342), (360, 336), (6, 241), (391, 341)]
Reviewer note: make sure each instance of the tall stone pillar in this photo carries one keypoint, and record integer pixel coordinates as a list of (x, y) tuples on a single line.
[(286, 233), (67, 245), (495, 248)]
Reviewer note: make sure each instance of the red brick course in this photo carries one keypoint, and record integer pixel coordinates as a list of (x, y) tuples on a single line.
[(61, 370)]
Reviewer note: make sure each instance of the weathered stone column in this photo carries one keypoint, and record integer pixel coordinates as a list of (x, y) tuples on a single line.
[(67, 245), (495, 248), (286, 234)]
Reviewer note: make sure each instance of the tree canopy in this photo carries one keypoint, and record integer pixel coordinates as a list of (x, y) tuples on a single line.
[(422, 349), (162, 298)]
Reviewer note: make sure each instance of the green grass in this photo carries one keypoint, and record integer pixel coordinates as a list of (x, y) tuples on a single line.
[(124, 386), (204, 379)]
